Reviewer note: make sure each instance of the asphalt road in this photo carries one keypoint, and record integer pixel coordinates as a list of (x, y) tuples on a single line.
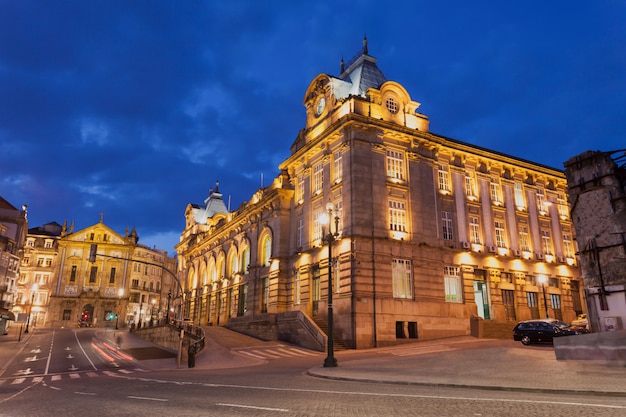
[(108, 386)]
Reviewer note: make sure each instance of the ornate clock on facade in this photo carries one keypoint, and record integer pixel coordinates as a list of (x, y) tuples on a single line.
[(319, 107)]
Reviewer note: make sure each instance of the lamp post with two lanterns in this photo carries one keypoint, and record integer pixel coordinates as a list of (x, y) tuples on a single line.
[(330, 236)]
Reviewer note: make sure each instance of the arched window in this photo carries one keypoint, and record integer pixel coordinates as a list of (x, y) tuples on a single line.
[(266, 250), (212, 271), (221, 268), (245, 260), (233, 265)]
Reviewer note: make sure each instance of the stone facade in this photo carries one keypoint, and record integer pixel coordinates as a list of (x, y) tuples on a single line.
[(125, 282), (427, 231), (597, 194)]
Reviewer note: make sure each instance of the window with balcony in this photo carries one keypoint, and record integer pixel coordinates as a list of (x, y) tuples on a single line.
[(402, 278)]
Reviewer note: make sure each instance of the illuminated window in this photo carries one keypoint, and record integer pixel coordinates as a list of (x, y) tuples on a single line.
[(446, 223), (541, 201), (555, 301), (496, 194), (317, 225), (397, 216), (245, 260), (524, 240), (562, 206), (452, 283), (300, 189), (499, 228), (470, 187), (402, 281), (568, 247), (532, 299), (233, 265), (546, 242), (212, 272), (474, 226), (392, 105), (338, 167), (266, 250), (443, 178), (395, 164), (48, 244), (520, 201), (318, 178), (221, 268)]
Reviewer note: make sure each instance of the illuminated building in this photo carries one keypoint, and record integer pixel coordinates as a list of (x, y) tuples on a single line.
[(433, 232), (115, 287)]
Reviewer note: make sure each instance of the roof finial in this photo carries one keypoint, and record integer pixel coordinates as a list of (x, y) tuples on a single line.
[(342, 66), (365, 44), (217, 186), (101, 216)]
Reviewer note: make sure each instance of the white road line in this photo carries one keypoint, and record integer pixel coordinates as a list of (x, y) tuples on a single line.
[(147, 398), (56, 377), (267, 353), (284, 410), (92, 374), (125, 371), (243, 352), (74, 376), (38, 379), (84, 393), (83, 350), (18, 381)]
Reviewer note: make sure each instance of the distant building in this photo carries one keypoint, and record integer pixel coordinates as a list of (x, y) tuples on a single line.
[(13, 226), (597, 195), (428, 232), (124, 282)]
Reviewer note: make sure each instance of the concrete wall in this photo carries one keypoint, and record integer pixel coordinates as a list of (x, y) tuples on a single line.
[(604, 346)]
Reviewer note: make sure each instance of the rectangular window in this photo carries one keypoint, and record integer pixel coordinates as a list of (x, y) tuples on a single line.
[(499, 228), (546, 242), (300, 190), (524, 239), (531, 280), (555, 301), (568, 247), (446, 223), (541, 201), (452, 283), (112, 276), (317, 225), (300, 233), (318, 178), (520, 201), (506, 277), (67, 315), (495, 192), (338, 167), (48, 244), (397, 216), (395, 164), (470, 187), (73, 273), (443, 179), (402, 278), (562, 206), (474, 230), (532, 298), (92, 274), (135, 283)]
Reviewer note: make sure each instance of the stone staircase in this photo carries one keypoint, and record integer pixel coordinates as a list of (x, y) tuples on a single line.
[(321, 323)]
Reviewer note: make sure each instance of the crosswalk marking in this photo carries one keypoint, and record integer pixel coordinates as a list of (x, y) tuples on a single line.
[(56, 377), (276, 352), (18, 381), (38, 379), (72, 376), (92, 374)]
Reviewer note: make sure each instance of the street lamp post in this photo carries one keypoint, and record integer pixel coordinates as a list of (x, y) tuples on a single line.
[(542, 279), (120, 293), (330, 237), (30, 310)]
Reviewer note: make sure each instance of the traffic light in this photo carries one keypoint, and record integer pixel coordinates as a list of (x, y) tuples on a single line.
[(92, 252)]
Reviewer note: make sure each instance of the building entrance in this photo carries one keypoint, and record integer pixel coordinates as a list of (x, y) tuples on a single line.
[(481, 296)]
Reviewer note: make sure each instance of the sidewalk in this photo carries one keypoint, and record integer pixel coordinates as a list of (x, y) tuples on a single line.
[(460, 362)]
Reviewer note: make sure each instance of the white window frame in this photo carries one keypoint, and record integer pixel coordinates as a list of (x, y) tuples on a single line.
[(395, 164), (443, 179), (402, 278), (300, 233), (317, 225), (546, 242), (338, 167), (397, 216), (524, 239), (470, 186), (318, 178), (568, 247), (446, 225), (518, 192), (500, 233), (453, 284), (474, 226), (300, 190), (495, 192)]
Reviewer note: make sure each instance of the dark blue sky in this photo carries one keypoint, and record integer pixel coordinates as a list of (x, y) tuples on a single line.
[(136, 108)]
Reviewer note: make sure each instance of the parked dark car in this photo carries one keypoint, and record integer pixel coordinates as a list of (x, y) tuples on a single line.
[(543, 331)]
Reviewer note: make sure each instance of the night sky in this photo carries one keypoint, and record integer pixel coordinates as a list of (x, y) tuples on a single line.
[(135, 108)]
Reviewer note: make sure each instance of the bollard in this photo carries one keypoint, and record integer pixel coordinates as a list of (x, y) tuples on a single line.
[(191, 356)]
